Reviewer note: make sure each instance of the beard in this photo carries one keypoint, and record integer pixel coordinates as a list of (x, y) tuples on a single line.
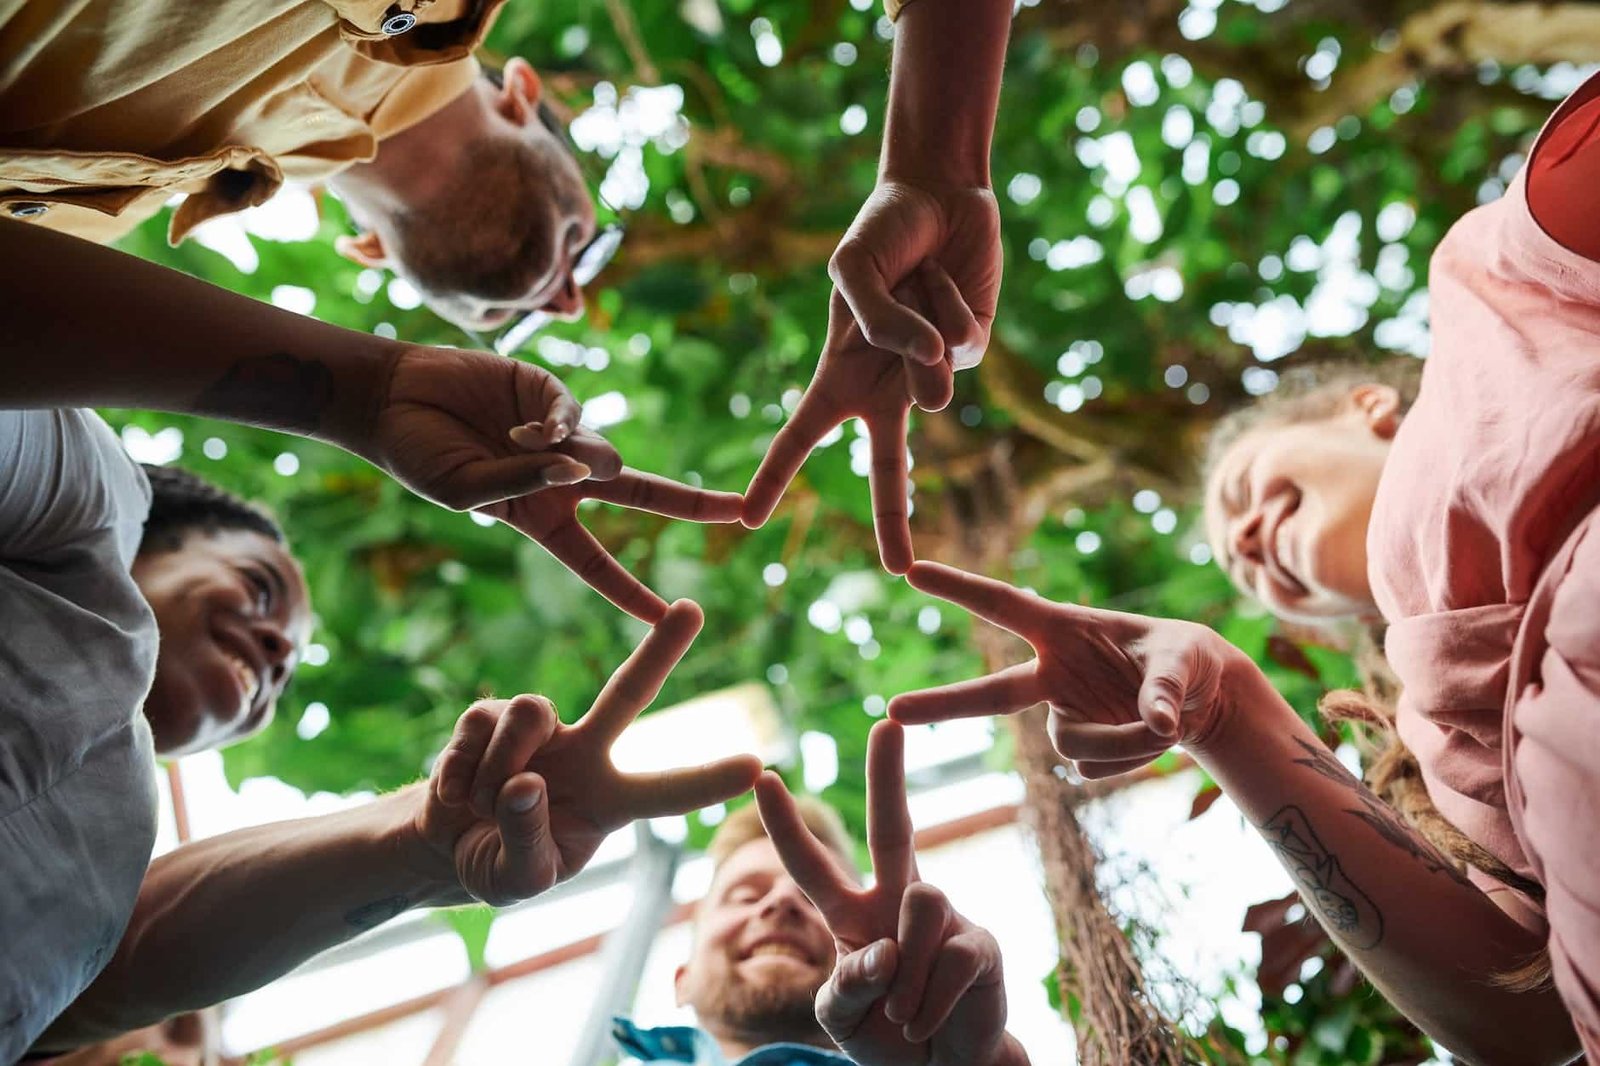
[(782, 1011)]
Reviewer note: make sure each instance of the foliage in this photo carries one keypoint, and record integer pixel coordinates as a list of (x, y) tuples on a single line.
[(1169, 186)]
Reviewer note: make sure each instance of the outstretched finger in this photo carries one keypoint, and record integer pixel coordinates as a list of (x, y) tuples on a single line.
[(663, 496), (814, 869), (1090, 770), (489, 481), (884, 321), (788, 452), (890, 838), (1022, 613), (958, 326), (579, 551), (667, 792), (889, 478), (1010, 690), (635, 684)]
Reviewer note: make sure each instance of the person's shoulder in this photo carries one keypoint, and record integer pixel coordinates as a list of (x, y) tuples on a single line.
[(63, 475)]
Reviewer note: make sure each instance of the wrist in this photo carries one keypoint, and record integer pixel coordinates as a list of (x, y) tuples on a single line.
[(1011, 1052), (1246, 704), (359, 391), (427, 870)]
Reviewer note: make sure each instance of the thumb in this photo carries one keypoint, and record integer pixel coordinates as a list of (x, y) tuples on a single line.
[(859, 981), (527, 856), (1162, 692)]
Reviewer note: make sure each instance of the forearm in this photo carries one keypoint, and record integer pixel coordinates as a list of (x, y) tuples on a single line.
[(90, 326), (944, 89), (227, 915), (1421, 932)]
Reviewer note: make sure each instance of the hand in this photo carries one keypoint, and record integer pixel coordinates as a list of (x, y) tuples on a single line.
[(519, 801), (550, 518), (915, 982), (903, 223), (854, 379), (471, 430), (1122, 688)]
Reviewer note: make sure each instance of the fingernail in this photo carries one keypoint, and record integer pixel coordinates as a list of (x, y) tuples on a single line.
[(877, 955), (1166, 717), (523, 804), (568, 474), (561, 432)]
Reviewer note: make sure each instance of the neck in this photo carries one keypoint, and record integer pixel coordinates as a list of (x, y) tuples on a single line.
[(735, 1044), (406, 169)]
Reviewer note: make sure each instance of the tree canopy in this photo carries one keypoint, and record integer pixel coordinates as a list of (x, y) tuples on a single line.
[(1194, 194)]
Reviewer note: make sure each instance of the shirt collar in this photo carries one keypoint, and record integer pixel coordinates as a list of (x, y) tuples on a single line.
[(682, 1043)]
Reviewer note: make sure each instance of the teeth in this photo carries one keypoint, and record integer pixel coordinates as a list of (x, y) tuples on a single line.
[(246, 675), (784, 950)]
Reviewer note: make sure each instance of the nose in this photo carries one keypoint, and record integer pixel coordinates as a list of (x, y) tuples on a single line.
[(567, 302), (1245, 537), (276, 648), (784, 898)]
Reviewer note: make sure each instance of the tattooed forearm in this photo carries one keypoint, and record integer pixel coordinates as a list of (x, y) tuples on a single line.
[(1345, 910), (1378, 814), (279, 391), (370, 915)]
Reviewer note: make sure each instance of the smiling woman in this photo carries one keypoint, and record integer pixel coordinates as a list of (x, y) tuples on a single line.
[(232, 608), (1290, 482)]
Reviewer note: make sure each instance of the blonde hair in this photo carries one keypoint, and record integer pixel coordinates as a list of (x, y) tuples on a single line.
[(744, 825), (1308, 393)]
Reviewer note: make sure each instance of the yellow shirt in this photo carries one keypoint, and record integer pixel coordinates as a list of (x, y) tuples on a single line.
[(108, 108)]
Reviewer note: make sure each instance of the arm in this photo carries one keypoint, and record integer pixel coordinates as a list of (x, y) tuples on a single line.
[(517, 802), (1420, 931), (225, 916), (89, 326), (1123, 689), (933, 198)]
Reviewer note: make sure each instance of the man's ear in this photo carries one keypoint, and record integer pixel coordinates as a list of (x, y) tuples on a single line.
[(1379, 406), (680, 981), (365, 248), (520, 90)]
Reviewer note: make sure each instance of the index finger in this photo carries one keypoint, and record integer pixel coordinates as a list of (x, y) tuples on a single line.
[(1022, 613), (579, 551), (663, 496), (889, 833), (805, 857), (888, 478), (786, 455), (637, 682)]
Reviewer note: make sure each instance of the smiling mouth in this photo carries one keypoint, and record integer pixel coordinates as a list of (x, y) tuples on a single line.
[(778, 949), (1275, 556), (249, 681)]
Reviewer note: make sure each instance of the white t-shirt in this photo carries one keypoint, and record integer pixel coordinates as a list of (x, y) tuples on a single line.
[(77, 653)]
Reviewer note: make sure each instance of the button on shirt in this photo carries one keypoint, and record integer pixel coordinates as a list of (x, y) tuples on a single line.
[(109, 108), (686, 1044)]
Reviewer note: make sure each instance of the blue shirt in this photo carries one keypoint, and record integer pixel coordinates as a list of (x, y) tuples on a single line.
[(686, 1044)]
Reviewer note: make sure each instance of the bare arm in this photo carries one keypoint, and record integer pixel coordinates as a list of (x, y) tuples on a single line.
[(1123, 689), (1419, 930), (218, 918)]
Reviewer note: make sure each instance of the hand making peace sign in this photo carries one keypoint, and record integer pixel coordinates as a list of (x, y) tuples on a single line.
[(915, 982), (1122, 688), (520, 801), (855, 380)]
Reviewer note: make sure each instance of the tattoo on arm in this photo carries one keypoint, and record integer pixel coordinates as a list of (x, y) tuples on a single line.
[(1378, 814), (370, 915), (1345, 910), (278, 391)]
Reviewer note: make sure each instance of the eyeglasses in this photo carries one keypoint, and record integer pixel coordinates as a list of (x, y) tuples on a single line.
[(591, 259)]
